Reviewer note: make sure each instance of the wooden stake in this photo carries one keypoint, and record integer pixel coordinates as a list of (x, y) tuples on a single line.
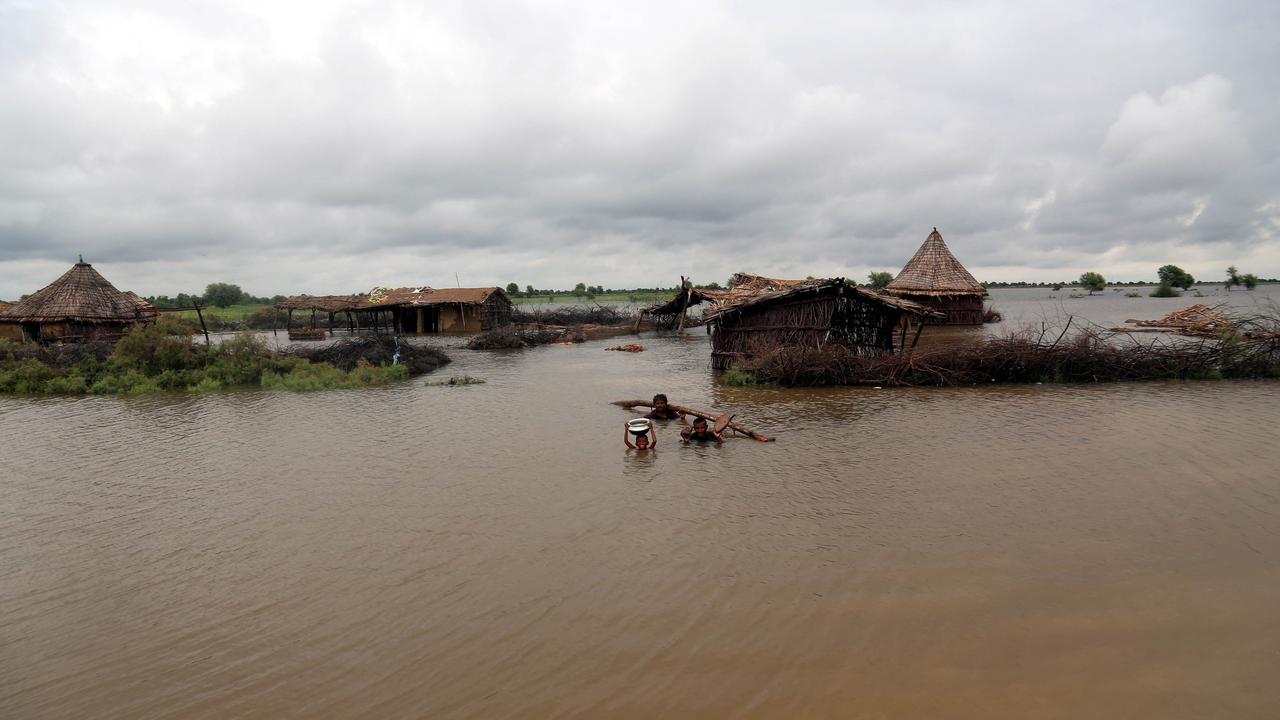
[(202, 326)]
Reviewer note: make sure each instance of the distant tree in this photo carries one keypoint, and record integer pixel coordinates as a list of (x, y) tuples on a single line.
[(223, 294), (277, 299), (185, 300), (712, 286), (1093, 282), (879, 280), (513, 289), (1249, 280), (580, 289), (1175, 277), (1233, 278), (1164, 290), (528, 290)]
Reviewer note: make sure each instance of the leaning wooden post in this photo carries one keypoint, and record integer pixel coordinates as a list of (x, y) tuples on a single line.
[(919, 329), (330, 324), (275, 319), (202, 325)]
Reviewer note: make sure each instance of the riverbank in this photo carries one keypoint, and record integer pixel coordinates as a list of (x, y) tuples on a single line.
[(163, 358)]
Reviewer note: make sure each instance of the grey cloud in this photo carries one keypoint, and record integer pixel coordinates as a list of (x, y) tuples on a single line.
[(827, 138)]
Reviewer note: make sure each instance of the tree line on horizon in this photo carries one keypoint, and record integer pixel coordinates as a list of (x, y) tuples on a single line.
[(1170, 279)]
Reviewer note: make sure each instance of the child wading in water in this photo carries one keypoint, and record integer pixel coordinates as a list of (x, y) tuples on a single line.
[(642, 429), (700, 433)]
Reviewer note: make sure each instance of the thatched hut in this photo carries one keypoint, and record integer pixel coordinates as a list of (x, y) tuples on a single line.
[(413, 310), (762, 314), (79, 306), (936, 279)]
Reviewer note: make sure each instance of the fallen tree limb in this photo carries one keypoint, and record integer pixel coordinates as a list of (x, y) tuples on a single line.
[(633, 404)]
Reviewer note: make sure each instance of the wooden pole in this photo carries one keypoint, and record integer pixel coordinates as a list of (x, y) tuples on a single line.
[(330, 324), (202, 326), (351, 323), (919, 329), (633, 404), (275, 320), (422, 321)]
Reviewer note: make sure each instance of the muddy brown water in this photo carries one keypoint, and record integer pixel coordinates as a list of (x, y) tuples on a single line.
[(493, 550)]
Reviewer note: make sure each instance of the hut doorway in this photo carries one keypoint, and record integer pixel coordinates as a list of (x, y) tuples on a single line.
[(419, 320), (32, 331)]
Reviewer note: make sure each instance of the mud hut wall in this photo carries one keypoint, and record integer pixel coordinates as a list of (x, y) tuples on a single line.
[(865, 327), (958, 309), (805, 322), (849, 320), (64, 331), (495, 312)]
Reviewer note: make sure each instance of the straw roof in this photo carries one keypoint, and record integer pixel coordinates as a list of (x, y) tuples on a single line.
[(750, 291), (934, 271), (391, 297), (80, 295)]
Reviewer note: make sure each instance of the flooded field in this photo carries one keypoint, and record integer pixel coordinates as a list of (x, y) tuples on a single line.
[(494, 551)]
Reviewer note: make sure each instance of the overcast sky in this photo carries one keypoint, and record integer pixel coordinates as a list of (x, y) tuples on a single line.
[(333, 146)]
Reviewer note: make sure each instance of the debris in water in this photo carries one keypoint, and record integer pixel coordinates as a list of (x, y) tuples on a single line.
[(629, 347), (455, 381)]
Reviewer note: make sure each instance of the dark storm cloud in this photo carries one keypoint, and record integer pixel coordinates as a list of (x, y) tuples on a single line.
[(326, 146)]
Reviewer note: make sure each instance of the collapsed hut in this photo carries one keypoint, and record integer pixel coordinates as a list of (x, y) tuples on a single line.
[(674, 313), (80, 306), (759, 315), (935, 279), (405, 311)]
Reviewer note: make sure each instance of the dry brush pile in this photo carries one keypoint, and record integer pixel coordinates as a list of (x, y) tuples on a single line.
[(510, 337), (1090, 355)]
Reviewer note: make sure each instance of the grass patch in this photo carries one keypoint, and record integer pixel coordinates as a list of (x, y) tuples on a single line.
[(163, 358), (738, 378)]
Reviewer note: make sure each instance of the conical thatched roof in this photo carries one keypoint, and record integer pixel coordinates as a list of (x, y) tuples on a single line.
[(933, 270), (80, 295)]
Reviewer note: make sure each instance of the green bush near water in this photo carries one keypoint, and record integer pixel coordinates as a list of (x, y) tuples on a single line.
[(738, 378), (162, 357)]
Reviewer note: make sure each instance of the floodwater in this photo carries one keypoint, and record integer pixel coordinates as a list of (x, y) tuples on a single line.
[(494, 551)]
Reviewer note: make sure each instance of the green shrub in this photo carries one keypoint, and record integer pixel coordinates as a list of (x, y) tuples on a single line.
[(206, 384), (128, 382), (1165, 291), (152, 349), (24, 376), (736, 377), (68, 385)]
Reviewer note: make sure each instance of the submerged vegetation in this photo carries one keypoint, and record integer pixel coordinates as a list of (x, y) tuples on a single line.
[(455, 381), (162, 357)]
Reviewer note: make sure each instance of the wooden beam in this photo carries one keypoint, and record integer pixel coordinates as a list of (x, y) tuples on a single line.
[(633, 404)]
